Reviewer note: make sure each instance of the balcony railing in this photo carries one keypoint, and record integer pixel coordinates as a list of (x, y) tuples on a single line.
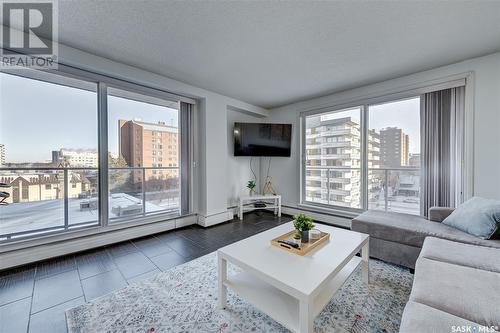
[(46, 200), (389, 189), (394, 189)]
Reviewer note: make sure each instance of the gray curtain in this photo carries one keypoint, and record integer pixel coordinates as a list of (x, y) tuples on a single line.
[(442, 127), (186, 116)]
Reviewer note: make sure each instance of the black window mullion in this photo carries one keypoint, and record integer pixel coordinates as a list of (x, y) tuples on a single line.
[(102, 112)]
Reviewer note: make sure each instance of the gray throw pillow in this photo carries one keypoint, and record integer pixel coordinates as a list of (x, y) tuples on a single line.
[(477, 216)]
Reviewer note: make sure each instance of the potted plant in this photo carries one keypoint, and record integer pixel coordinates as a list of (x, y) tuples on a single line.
[(303, 224), (251, 185), (296, 239)]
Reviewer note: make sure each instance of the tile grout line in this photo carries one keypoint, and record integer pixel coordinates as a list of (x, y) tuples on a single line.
[(14, 301), (32, 297), (80, 280), (53, 306), (50, 307), (173, 250), (54, 274), (194, 242), (144, 254), (156, 238), (117, 267)]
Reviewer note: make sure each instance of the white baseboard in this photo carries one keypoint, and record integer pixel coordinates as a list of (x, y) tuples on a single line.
[(184, 222), (318, 216), (329, 219), (35, 253), (207, 221)]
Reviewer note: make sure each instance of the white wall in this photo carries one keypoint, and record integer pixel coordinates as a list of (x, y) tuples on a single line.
[(238, 167), (211, 188), (486, 123)]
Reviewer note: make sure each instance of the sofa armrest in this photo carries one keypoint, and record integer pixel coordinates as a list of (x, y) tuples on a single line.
[(438, 214)]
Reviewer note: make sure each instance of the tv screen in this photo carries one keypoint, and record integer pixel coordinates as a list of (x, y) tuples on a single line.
[(254, 139)]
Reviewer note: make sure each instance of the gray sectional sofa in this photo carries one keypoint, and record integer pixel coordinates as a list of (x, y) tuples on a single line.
[(398, 238), (456, 288)]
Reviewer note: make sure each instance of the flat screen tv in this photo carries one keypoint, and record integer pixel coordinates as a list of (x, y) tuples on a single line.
[(254, 139)]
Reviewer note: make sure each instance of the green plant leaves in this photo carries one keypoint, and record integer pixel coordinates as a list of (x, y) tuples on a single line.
[(303, 222)]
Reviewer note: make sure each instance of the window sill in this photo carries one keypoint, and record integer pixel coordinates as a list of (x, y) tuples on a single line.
[(349, 214)]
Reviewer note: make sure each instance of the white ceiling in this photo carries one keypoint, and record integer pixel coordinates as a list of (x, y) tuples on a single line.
[(274, 53)]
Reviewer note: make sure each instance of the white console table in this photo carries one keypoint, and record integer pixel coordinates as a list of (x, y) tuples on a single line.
[(246, 203)]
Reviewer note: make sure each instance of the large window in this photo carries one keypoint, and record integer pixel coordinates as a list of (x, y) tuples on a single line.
[(49, 160), (144, 155), (364, 157), (52, 128), (333, 158), (394, 156)]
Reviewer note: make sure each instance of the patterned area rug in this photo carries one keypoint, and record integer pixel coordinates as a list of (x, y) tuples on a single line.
[(184, 299)]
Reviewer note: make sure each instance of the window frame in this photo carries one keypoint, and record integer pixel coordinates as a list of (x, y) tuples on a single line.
[(126, 93), (67, 76), (364, 101), (331, 208)]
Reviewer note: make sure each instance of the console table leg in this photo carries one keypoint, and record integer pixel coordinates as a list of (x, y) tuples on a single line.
[(365, 257), (306, 320), (279, 206), (222, 276)]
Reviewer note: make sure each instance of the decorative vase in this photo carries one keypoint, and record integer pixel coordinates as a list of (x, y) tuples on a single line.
[(250, 192), (304, 236), (297, 241)]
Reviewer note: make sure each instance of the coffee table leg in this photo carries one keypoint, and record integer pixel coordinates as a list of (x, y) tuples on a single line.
[(365, 257), (306, 319), (222, 276)]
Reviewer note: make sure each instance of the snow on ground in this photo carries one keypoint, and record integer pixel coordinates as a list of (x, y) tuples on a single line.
[(27, 216)]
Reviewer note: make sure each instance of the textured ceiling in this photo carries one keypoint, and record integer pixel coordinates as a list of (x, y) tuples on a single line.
[(275, 53)]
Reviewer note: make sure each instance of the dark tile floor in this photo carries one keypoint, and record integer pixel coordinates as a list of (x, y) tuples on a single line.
[(34, 298)]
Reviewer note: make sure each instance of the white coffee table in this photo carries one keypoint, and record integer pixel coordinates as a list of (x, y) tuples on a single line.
[(291, 289)]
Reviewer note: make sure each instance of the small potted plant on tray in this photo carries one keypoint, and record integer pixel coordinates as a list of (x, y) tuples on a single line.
[(251, 185), (303, 224), (296, 239)]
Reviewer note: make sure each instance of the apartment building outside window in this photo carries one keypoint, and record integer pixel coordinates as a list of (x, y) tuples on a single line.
[(363, 157)]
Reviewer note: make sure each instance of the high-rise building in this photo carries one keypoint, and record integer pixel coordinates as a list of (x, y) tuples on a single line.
[(336, 143), (2, 154), (87, 158), (394, 147), (143, 144)]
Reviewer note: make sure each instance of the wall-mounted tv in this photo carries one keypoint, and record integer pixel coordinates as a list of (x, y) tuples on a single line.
[(256, 139)]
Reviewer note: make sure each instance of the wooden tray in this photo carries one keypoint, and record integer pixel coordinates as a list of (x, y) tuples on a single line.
[(304, 247)]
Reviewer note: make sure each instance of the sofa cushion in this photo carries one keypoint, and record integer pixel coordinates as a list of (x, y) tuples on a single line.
[(420, 318), (411, 229), (480, 257), (461, 291), (477, 216)]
